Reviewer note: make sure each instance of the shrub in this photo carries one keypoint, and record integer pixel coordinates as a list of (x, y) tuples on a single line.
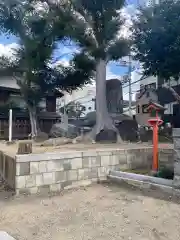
[(165, 173)]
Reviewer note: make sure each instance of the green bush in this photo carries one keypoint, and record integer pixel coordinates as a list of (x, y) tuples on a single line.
[(165, 173)]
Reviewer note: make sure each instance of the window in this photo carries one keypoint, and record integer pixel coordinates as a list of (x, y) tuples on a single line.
[(144, 108), (18, 100), (152, 86), (138, 109), (141, 88), (147, 95), (83, 108), (153, 113)]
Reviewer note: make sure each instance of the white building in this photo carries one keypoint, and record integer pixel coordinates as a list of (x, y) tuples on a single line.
[(152, 82), (127, 112), (148, 82), (151, 3), (84, 96)]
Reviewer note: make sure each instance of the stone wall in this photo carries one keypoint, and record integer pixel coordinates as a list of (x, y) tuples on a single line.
[(176, 139), (166, 158), (52, 172), (8, 169)]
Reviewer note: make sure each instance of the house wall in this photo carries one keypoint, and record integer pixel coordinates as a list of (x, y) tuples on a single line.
[(165, 98), (148, 80), (167, 101), (143, 117), (9, 82)]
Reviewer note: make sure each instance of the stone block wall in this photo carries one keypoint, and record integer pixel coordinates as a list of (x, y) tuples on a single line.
[(166, 158), (8, 169), (176, 140), (37, 173), (52, 172)]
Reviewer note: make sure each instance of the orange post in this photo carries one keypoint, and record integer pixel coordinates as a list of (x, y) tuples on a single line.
[(155, 122), (155, 147)]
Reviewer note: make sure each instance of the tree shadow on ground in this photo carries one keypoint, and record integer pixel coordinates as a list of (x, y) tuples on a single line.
[(151, 193)]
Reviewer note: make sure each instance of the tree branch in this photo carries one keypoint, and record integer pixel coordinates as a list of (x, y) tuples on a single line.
[(174, 93)]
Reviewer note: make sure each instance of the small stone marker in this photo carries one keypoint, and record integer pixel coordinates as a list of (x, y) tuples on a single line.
[(24, 147), (5, 236)]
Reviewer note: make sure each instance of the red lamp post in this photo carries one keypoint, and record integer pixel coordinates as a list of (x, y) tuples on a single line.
[(155, 122)]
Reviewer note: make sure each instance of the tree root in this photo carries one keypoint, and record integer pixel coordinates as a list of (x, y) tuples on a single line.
[(91, 137), (85, 138)]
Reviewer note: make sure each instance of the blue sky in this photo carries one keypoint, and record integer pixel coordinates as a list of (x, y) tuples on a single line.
[(65, 52), (4, 39), (114, 70)]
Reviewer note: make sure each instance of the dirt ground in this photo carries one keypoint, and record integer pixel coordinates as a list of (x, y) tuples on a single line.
[(12, 148), (97, 212)]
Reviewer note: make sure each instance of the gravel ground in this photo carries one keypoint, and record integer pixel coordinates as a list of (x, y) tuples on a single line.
[(12, 148), (97, 212)]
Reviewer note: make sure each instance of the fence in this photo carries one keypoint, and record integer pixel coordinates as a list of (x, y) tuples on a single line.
[(22, 128)]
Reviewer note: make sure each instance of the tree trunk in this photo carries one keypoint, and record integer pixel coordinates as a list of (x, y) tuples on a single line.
[(103, 120), (33, 121)]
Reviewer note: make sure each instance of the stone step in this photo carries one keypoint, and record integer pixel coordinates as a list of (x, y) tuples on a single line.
[(5, 236)]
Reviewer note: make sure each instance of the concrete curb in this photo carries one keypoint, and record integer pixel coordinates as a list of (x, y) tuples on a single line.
[(140, 177), (144, 182)]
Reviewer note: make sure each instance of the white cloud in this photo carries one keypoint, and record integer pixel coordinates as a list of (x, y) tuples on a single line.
[(8, 50), (63, 62), (128, 13), (40, 7), (111, 75), (67, 49)]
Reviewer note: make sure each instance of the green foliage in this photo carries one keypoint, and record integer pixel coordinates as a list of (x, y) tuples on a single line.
[(38, 35), (36, 41), (79, 73), (94, 25), (165, 173), (74, 109), (4, 107), (156, 36)]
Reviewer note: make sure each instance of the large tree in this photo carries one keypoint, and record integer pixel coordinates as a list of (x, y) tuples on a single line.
[(156, 37), (30, 64), (95, 26)]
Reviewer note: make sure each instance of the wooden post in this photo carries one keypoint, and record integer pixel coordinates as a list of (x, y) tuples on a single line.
[(10, 125), (24, 147)]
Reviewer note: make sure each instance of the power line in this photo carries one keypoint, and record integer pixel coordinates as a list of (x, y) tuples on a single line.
[(132, 83), (131, 93)]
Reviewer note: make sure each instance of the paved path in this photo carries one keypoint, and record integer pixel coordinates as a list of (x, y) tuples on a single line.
[(95, 213)]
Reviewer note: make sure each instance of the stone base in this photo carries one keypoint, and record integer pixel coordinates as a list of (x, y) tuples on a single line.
[(176, 156), (176, 182), (106, 136), (5, 236)]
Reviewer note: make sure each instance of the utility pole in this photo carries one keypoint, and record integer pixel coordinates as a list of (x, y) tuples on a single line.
[(130, 88), (128, 78)]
